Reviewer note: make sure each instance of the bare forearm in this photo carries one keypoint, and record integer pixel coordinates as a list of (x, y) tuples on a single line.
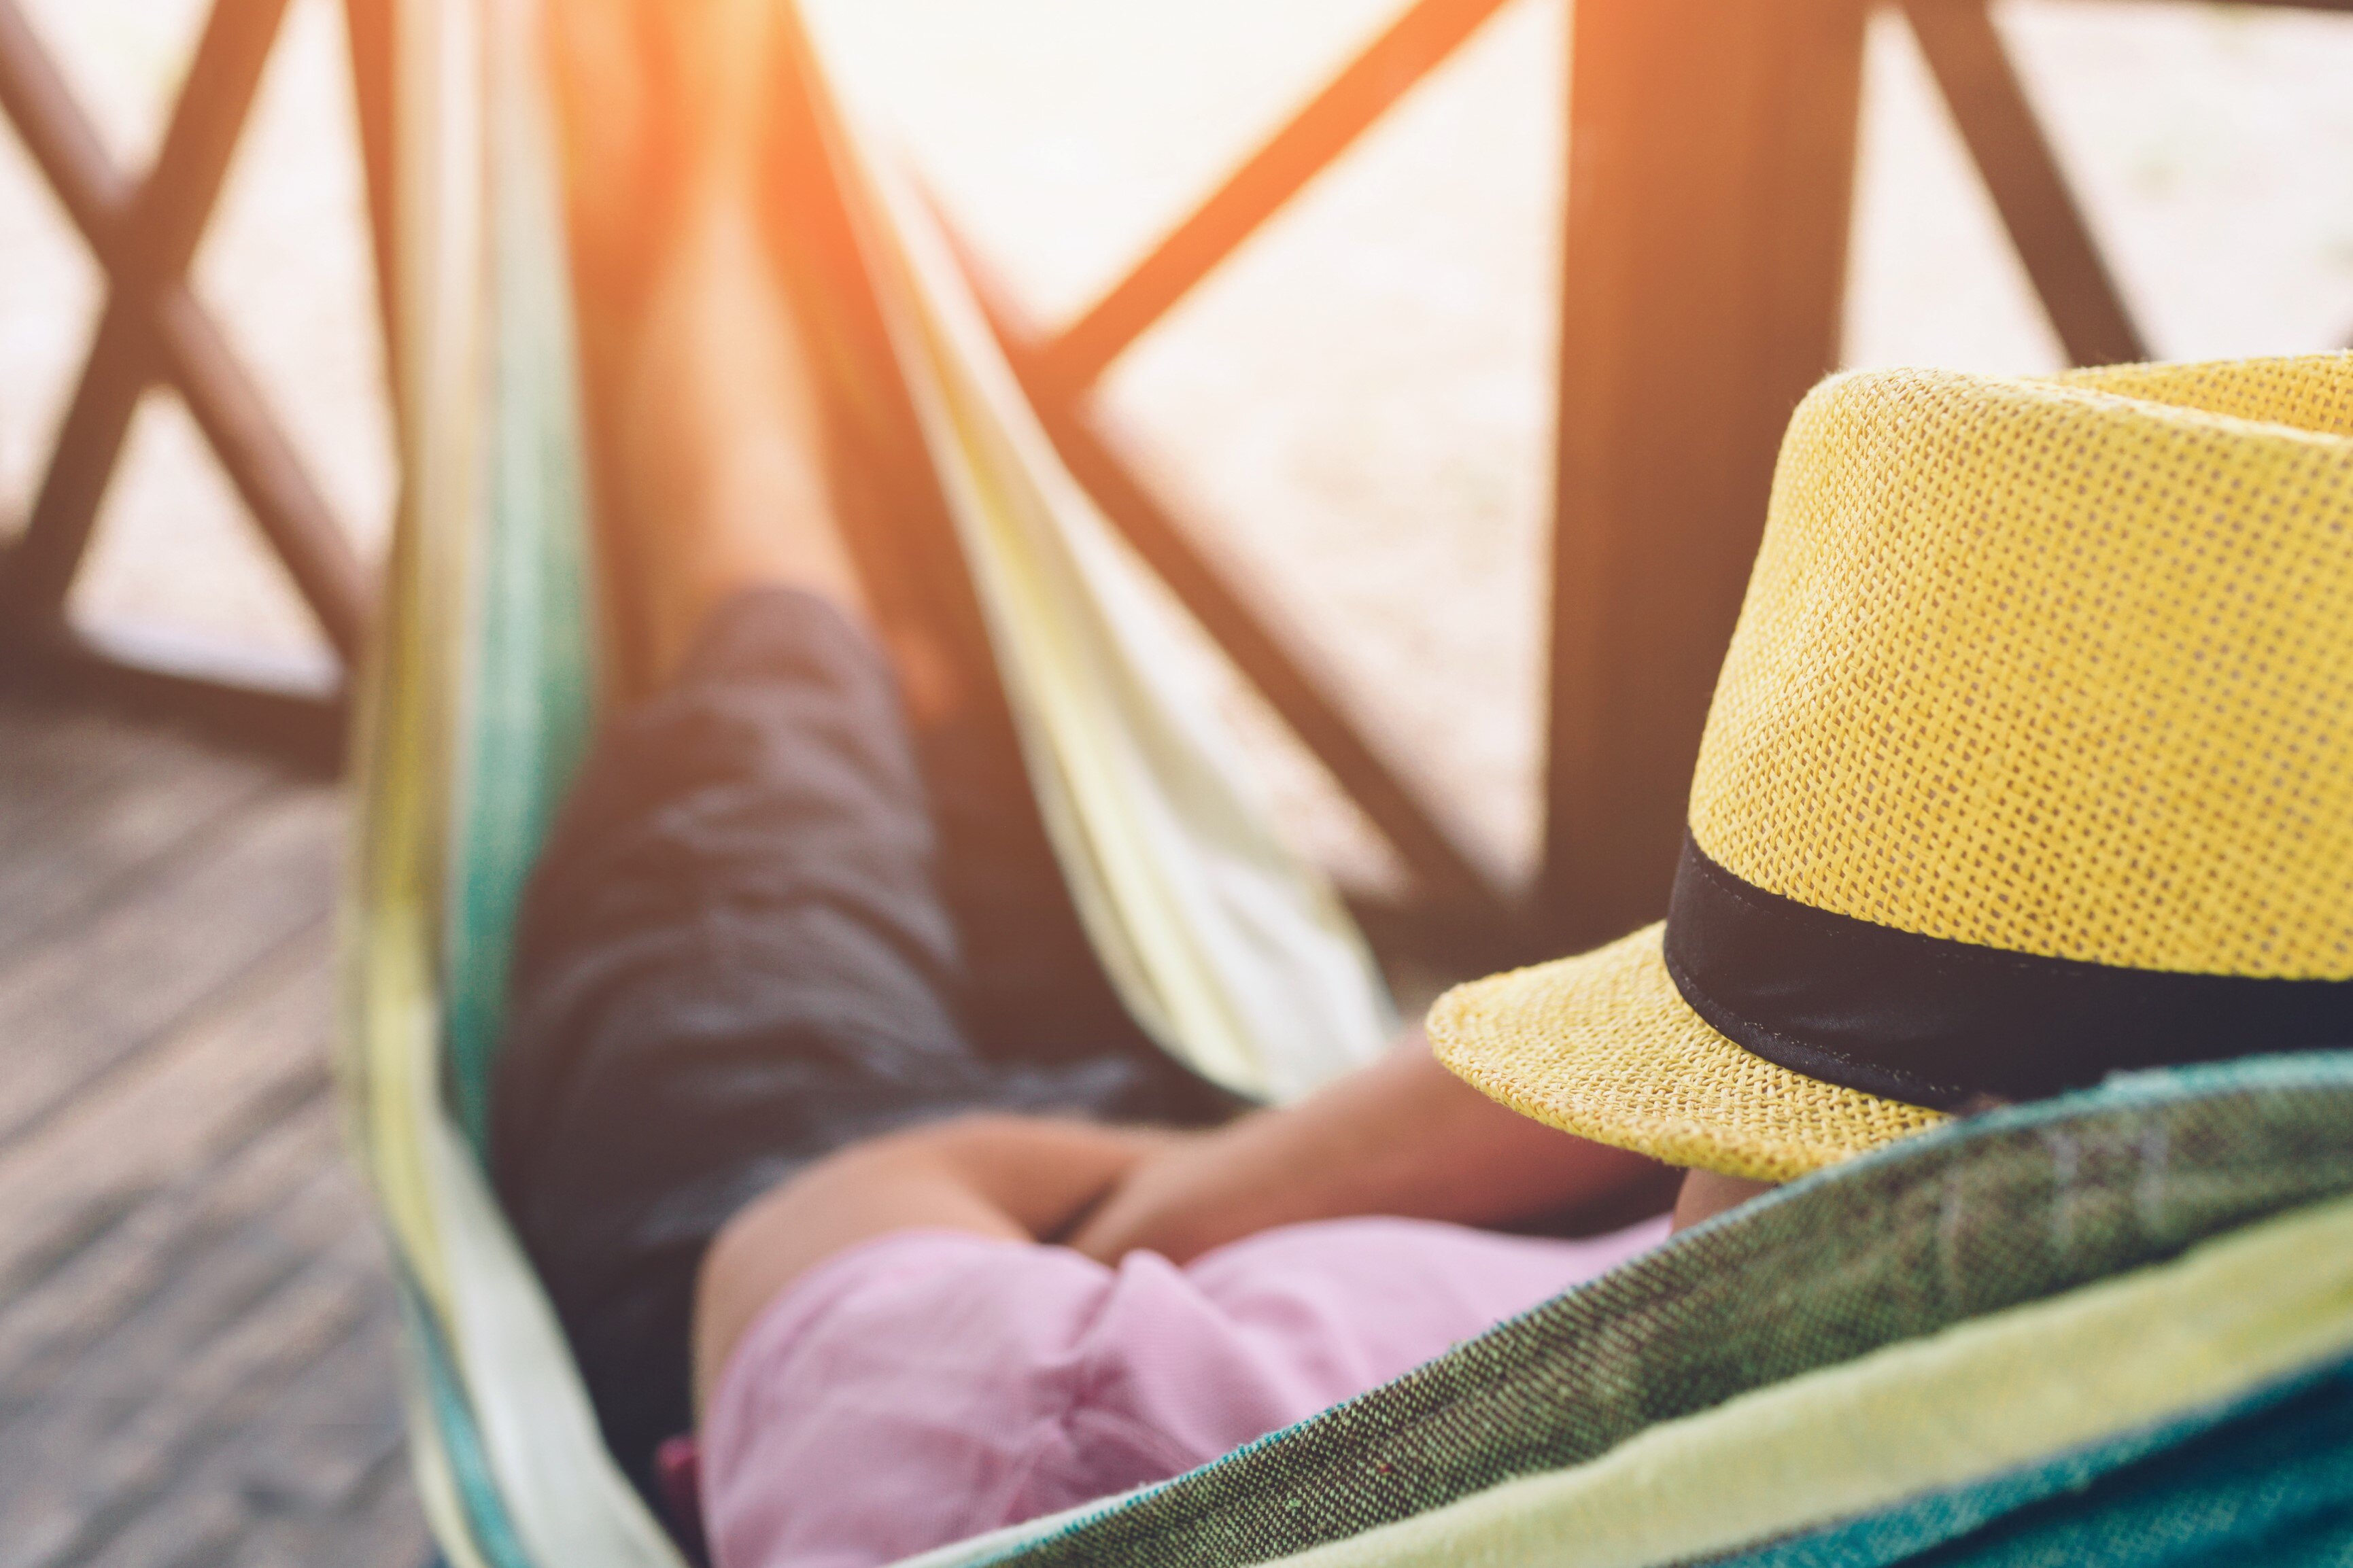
[(1022, 1180), (1403, 1137)]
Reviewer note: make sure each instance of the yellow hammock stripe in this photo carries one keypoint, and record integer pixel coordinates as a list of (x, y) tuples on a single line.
[(1959, 1408)]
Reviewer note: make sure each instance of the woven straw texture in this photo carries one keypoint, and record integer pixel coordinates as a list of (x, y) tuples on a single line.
[(2048, 669), (1604, 1046), (1981, 1217), (2060, 666)]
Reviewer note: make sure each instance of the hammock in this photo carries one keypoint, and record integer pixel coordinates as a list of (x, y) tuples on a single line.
[(483, 692), (1725, 1426)]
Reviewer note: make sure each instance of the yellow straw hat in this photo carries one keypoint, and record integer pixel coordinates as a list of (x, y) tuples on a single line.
[(2031, 759)]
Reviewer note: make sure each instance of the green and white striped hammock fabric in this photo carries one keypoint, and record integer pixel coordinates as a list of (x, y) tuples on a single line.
[(1889, 1436), (483, 689)]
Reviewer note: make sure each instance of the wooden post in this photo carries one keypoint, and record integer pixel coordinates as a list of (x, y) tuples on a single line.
[(1711, 156), (368, 39)]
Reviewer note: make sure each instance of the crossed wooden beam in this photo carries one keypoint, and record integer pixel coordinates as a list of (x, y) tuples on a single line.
[(1060, 374), (143, 234), (1708, 203)]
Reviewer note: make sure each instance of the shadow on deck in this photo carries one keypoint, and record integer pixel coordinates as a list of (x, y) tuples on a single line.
[(196, 1324)]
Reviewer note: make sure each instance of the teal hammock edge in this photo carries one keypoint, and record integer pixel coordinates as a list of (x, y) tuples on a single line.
[(2271, 1463), (529, 704), (492, 1530), (2270, 1469)]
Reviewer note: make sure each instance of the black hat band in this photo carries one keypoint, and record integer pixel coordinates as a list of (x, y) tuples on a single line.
[(1934, 1022)]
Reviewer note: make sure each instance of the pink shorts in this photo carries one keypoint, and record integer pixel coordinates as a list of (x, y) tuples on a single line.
[(931, 1385)]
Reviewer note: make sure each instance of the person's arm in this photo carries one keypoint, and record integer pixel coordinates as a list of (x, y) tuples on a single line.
[(1402, 1137), (1020, 1179)]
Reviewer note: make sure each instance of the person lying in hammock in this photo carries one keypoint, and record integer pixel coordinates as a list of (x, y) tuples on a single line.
[(829, 1138), (814, 1110)]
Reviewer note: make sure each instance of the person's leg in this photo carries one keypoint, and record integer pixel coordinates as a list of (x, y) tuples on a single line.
[(664, 103), (735, 955)]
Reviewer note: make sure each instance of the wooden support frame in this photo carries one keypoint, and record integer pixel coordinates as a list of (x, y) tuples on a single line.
[(1324, 128), (154, 328), (1712, 156), (2007, 143), (1711, 176), (368, 35), (1289, 674), (1060, 375)]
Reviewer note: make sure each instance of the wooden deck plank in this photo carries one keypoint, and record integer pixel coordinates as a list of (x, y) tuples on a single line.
[(180, 1107), (379, 1531), (92, 995), (196, 1324), (48, 753), (216, 1402), (326, 1441), (49, 1333), (69, 849), (194, 1369), (289, 1492)]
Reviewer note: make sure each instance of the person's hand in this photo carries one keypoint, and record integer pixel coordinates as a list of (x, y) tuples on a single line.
[(1179, 1200), (1402, 1137), (1012, 1178)]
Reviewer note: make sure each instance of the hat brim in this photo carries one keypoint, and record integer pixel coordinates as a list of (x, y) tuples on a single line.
[(1604, 1046)]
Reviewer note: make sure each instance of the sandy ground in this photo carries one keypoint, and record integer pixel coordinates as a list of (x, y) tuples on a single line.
[(1360, 404)]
